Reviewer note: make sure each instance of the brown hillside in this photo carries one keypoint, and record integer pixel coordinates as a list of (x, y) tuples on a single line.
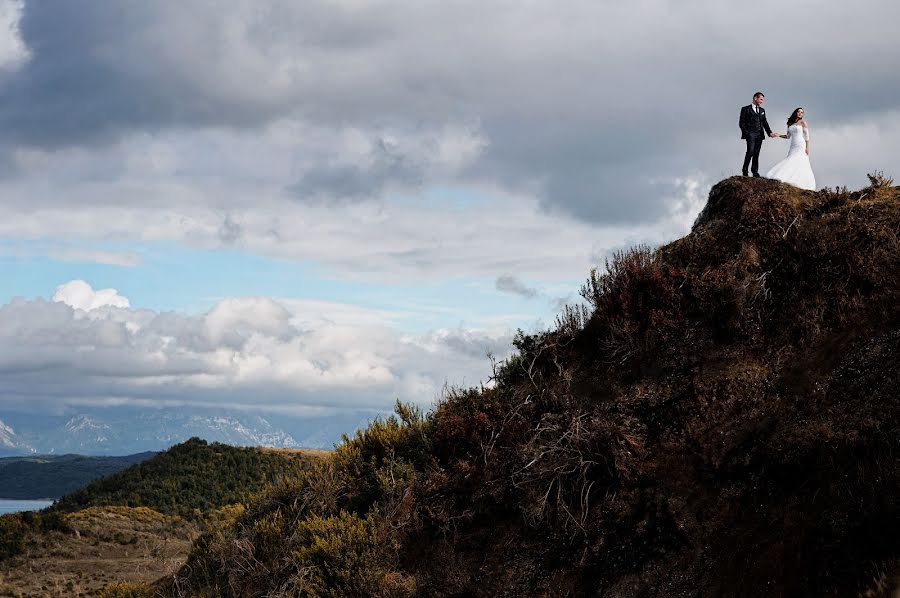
[(723, 422), (102, 545)]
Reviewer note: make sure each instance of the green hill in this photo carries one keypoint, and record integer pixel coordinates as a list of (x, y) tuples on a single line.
[(190, 480), (721, 421), (51, 476), (189, 477)]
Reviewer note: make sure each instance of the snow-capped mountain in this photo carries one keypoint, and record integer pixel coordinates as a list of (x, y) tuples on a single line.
[(254, 431), (87, 431), (10, 443), (7, 436), (122, 431)]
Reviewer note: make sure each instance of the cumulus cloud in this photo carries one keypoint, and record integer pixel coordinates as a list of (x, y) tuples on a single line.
[(254, 352), (233, 321), (80, 295)]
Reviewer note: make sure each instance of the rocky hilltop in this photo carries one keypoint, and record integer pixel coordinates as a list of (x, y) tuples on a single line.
[(722, 420)]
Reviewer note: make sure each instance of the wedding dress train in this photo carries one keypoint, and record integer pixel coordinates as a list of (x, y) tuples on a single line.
[(795, 169)]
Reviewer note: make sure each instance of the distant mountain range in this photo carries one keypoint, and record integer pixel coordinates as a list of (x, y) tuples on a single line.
[(123, 431)]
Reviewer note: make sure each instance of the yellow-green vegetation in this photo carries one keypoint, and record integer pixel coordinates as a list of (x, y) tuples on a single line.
[(126, 590), (15, 527), (721, 419), (139, 514)]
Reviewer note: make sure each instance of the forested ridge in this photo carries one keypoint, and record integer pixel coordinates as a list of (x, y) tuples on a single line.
[(191, 477)]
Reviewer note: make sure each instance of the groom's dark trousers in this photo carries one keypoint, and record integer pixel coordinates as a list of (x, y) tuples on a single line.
[(754, 127), (751, 158)]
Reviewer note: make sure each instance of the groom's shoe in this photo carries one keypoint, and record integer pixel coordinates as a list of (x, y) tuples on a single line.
[(757, 175), (744, 174)]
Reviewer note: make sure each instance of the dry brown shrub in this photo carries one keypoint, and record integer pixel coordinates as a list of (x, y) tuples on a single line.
[(878, 179)]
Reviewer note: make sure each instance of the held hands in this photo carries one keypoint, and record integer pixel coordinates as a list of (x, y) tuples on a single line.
[(774, 135)]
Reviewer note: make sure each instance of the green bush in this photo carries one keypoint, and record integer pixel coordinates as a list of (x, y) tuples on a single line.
[(338, 556), (396, 446), (15, 526), (127, 590), (12, 535)]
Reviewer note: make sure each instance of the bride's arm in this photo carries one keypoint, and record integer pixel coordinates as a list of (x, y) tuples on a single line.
[(806, 136)]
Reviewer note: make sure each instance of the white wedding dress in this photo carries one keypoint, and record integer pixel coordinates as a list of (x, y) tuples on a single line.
[(795, 169)]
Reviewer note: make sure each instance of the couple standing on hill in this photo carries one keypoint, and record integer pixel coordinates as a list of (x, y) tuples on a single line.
[(795, 169)]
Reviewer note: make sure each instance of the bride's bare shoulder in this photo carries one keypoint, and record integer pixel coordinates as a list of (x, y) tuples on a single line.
[(803, 123)]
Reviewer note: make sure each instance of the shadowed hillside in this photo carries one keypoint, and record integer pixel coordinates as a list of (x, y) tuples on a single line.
[(722, 421), (51, 476)]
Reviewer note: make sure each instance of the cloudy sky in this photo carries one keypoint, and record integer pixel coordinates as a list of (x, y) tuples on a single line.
[(310, 206)]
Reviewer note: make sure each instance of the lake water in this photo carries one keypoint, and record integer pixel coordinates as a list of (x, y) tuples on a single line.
[(11, 506)]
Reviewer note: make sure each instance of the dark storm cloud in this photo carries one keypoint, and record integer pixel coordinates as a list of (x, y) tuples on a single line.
[(99, 68), (590, 105)]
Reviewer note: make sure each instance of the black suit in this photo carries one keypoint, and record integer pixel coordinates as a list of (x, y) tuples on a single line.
[(754, 127)]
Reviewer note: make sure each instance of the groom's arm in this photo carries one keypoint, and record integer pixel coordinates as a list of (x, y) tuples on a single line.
[(742, 120), (765, 122)]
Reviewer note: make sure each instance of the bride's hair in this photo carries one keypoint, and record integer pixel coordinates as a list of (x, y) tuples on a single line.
[(793, 117)]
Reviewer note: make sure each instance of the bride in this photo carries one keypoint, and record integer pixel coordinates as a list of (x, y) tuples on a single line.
[(795, 169)]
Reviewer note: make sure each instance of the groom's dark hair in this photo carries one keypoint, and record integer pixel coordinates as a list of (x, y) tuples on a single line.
[(757, 94)]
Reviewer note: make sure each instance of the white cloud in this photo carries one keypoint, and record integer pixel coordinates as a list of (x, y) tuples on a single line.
[(255, 352), (80, 295), (13, 52), (234, 321)]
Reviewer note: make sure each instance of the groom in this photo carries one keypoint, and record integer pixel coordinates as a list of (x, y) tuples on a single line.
[(753, 122)]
